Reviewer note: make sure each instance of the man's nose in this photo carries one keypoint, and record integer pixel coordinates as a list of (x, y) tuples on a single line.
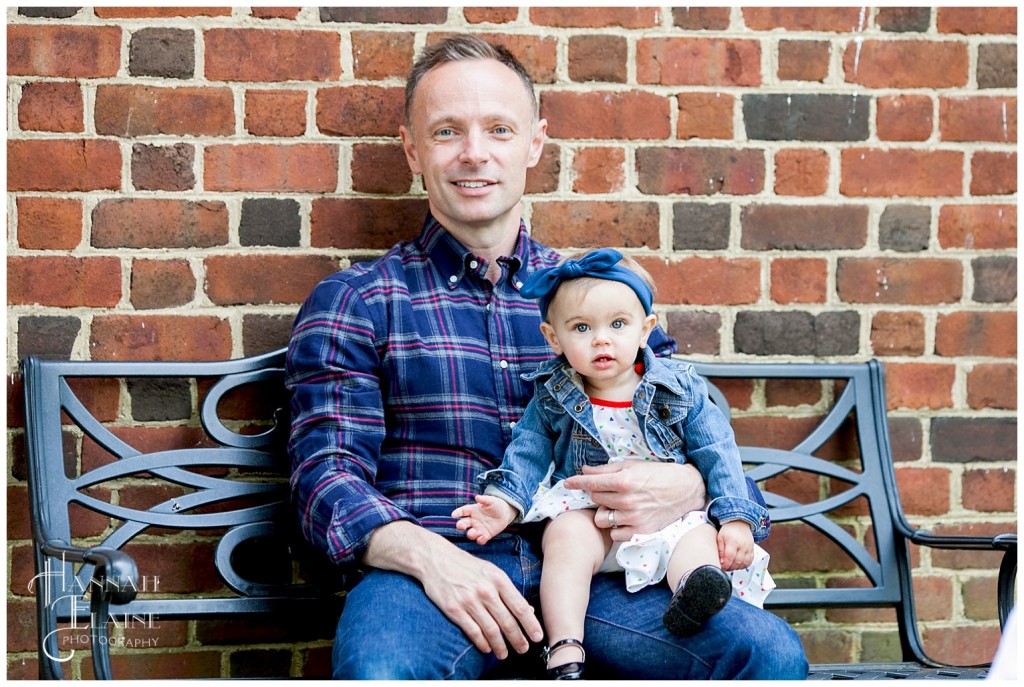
[(474, 149)]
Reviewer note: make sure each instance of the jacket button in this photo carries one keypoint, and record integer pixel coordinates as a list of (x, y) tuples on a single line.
[(578, 408), (664, 413)]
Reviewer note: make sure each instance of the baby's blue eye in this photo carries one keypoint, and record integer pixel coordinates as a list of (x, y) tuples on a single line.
[(618, 324), (581, 328)]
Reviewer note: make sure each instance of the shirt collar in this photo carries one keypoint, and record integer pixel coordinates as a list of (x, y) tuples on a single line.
[(454, 261)]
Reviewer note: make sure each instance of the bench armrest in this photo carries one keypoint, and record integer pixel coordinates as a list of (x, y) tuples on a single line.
[(115, 580), (1007, 543)]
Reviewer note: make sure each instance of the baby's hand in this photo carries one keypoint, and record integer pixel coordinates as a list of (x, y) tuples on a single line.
[(485, 519), (735, 545)]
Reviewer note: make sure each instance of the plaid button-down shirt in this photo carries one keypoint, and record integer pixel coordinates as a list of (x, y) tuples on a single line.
[(405, 376)]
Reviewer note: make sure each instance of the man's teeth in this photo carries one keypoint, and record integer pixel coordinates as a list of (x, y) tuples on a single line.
[(471, 184)]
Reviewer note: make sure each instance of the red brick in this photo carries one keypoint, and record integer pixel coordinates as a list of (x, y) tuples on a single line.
[(275, 12), (18, 525), (905, 118), (959, 559), (978, 227), (906, 64), (799, 280), (131, 111), (599, 170), (161, 284), (303, 167), (64, 281), (962, 645), (978, 119), (992, 385), (706, 281), (924, 491), (991, 334), (76, 52), (365, 223), (490, 15), (598, 58), (152, 337), (140, 665), (21, 626), (146, 440), (127, 12), (49, 223), (275, 113), (701, 18), (834, 19), (700, 171), (539, 54), (919, 385), (360, 110), (898, 333), (993, 174), (913, 281), (801, 172), (51, 106), (804, 60), (582, 224), (705, 115), (596, 17), (63, 165), (265, 279), (380, 168), (543, 178), (606, 114), (790, 393), (989, 490), (272, 55), (698, 62), (799, 548), (972, 20), (159, 223), (378, 55), (901, 172)]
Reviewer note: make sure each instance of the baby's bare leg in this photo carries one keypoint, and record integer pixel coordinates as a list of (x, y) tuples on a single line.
[(574, 549), (697, 547)]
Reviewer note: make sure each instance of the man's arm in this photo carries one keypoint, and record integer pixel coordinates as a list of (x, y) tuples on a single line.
[(474, 594)]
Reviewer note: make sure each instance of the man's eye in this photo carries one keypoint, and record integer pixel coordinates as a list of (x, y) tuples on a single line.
[(502, 130), (444, 133)]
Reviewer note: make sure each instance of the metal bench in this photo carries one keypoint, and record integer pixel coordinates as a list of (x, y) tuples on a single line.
[(220, 499)]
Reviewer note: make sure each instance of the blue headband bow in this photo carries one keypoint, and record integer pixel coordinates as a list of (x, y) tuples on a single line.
[(600, 264)]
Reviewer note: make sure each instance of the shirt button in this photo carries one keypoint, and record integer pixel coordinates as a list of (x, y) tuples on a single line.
[(473, 264), (511, 425), (503, 364), (519, 284), (453, 279)]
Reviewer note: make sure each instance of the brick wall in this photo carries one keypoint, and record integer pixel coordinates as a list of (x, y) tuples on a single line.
[(826, 184)]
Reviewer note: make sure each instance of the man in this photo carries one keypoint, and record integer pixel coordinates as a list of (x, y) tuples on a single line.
[(406, 382)]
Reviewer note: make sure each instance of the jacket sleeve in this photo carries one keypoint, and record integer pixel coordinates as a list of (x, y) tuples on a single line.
[(337, 423), (711, 446)]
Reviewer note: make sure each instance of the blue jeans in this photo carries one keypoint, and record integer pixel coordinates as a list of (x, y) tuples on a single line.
[(391, 630)]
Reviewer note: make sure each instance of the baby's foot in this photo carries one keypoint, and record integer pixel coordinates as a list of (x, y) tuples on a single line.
[(701, 594)]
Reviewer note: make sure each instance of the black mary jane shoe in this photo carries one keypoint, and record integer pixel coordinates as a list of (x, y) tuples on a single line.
[(700, 595), (566, 671)]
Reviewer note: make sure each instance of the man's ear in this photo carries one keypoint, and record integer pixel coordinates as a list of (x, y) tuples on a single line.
[(549, 333), (649, 322), (409, 146), (537, 142)]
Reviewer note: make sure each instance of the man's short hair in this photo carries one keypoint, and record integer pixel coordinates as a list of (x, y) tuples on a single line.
[(457, 48)]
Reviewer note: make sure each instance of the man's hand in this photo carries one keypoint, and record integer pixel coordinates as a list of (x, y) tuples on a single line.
[(485, 519), (474, 594), (645, 496)]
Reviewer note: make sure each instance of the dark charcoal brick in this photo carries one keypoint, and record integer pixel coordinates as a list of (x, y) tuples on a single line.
[(797, 333), (47, 336), (966, 440), (997, 65), (699, 226), (163, 168), (167, 53), (806, 117), (804, 227), (695, 332), (995, 279), (49, 12), (904, 19), (904, 228), (385, 15), (265, 333), (155, 400), (269, 222)]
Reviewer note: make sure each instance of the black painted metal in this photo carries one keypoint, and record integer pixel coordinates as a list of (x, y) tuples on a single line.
[(251, 494)]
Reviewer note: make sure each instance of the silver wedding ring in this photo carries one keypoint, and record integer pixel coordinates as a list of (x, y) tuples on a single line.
[(611, 519)]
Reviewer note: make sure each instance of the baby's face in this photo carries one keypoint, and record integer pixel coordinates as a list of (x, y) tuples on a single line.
[(599, 329)]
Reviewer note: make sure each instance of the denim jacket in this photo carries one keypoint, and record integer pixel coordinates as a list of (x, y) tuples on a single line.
[(676, 416)]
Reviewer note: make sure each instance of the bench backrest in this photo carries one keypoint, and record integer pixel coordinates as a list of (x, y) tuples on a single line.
[(824, 464)]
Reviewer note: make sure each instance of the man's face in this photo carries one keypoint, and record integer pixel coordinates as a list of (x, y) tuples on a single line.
[(472, 136)]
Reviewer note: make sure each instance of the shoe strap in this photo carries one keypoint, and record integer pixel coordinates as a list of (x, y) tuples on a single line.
[(568, 641)]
